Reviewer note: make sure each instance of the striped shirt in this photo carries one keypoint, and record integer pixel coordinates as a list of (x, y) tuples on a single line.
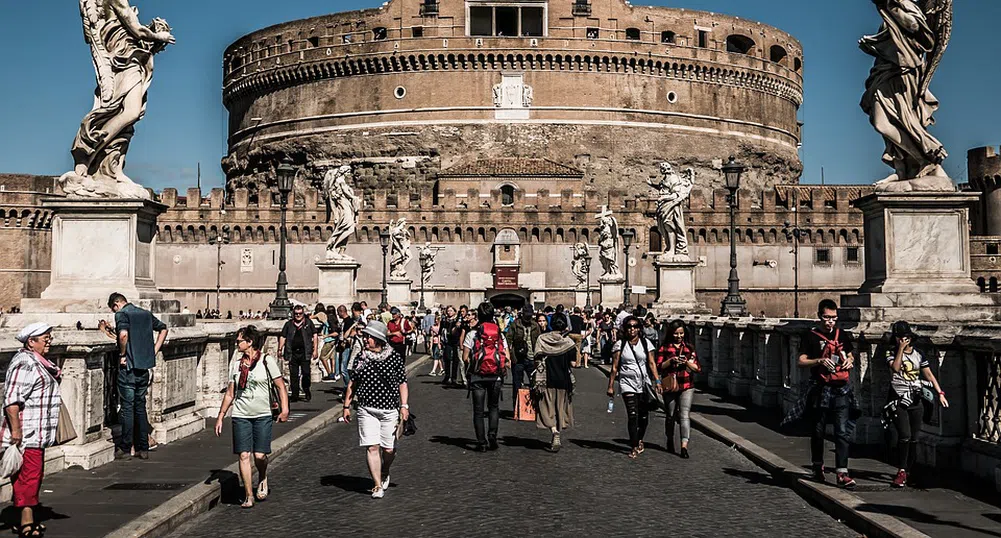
[(31, 386)]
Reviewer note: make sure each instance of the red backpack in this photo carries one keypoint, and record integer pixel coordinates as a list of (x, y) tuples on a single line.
[(832, 350), (488, 356)]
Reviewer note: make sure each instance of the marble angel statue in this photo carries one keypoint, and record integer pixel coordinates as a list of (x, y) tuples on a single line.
[(342, 207), (579, 266), (122, 51), (428, 258), (399, 252), (908, 50), (672, 191), (608, 244)]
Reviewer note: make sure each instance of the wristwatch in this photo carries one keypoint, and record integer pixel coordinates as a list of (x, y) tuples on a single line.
[(405, 406)]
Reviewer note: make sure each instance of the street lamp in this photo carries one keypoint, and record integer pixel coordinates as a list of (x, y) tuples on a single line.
[(219, 240), (281, 308), (421, 307), (733, 304), (795, 233), (587, 283), (627, 241), (384, 241)]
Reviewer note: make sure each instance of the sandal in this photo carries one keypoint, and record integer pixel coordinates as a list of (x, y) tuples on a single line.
[(31, 530), (249, 503), (634, 453), (262, 490), (640, 449)]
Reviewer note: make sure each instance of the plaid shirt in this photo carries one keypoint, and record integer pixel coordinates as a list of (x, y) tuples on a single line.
[(681, 372), (30, 385), (825, 400)]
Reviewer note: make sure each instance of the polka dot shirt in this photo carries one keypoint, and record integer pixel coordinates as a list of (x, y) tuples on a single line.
[(377, 382)]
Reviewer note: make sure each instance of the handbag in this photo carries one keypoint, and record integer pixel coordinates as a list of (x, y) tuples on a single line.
[(406, 428), (64, 428), (652, 400), (274, 398)]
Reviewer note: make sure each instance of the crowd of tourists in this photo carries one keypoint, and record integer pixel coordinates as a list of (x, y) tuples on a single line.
[(651, 364)]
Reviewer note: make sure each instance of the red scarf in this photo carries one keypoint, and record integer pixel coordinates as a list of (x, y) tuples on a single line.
[(246, 368), (52, 368)]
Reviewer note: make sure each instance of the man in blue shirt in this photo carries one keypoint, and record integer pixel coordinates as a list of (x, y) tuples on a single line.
[(137, 352)]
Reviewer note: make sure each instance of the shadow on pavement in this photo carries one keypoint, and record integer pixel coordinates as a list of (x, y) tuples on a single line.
[(913, 514), (230, 491), (754, 477), (524, 442), (600, 445), (461, 442), (356, 484), (11, 517)]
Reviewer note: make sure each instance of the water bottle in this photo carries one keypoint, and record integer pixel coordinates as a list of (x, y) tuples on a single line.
[(611, 404)]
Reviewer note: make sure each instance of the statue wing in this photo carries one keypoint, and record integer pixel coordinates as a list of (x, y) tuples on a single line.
[(91, 15), (615, 229), (939, 15)]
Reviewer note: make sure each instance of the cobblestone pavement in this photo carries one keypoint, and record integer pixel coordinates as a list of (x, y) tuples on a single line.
[(442, 488)]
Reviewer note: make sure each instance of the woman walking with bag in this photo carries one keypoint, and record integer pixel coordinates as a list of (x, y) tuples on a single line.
[(676, 362), (378, 387), (554, 355), (908, 395), (632, 360), (435, 342), (254, 379), (31, 418)]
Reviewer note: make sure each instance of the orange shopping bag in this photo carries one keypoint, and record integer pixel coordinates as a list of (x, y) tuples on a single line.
[(524, 409)]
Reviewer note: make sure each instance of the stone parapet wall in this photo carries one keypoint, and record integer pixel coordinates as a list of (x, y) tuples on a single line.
[(190, 377), (755, 360)]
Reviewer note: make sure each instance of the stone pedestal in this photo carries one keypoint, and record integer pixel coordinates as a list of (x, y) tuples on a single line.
[(580, 297), (612, 294), (917, 260), (100, 246), (338, 282), (398, 292), (676, 288)]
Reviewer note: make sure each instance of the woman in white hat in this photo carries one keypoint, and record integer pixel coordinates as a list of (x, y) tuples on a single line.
[(378, 388), (31, 418)]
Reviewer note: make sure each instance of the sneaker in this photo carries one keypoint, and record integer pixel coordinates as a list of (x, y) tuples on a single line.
[(481, 447), (845, 481), (121, 454), (818, 473), (901, 479), (493, 444), (556, 444), (385, 483), (142, 455), (337, 377), (309, 395), (378, 493)]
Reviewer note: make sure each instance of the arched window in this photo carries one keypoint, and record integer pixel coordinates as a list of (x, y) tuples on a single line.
[(633, 34), (667, 36), (993, 284), (740, 44), (777, 54), (507, 195), (797, 64), (656, 244), (982, 284)]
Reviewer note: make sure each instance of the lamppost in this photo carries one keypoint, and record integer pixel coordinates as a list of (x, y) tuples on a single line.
[(627, 241), (794, 232), (281, 308), (421, 307), (733, 304), (384, 241), (587, 283), (219, 240)]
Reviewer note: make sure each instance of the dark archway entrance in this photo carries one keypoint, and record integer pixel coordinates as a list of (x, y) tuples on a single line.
[(502, 298)]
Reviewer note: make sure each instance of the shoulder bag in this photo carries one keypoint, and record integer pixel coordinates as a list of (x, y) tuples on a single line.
[(274, 398), (652, 399)]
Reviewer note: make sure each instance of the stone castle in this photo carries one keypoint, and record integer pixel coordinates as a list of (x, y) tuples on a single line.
[(469, 118)]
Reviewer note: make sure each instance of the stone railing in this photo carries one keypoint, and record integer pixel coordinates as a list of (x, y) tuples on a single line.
[(755, 360), (188, 385)]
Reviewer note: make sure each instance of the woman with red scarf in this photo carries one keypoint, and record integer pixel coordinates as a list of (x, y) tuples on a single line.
[(676, 359), (249, 394), (31, 418)]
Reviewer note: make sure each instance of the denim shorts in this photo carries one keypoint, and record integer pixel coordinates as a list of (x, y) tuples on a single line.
[(252, 435)]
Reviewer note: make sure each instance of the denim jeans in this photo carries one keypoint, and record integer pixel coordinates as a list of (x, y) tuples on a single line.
[(519, 371), (839, 416), (679, 407), (452, 361), (132, 388), (908, 423), (637, 417), (486, 405), (343, 359)]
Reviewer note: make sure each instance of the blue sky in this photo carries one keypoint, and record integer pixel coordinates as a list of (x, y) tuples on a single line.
[(49, 83)]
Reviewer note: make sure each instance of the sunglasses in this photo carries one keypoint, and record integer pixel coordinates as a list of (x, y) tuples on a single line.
[(634, 327), (829, 318)]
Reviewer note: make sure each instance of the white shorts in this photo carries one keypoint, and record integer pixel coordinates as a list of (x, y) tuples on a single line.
[(377, 427)]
